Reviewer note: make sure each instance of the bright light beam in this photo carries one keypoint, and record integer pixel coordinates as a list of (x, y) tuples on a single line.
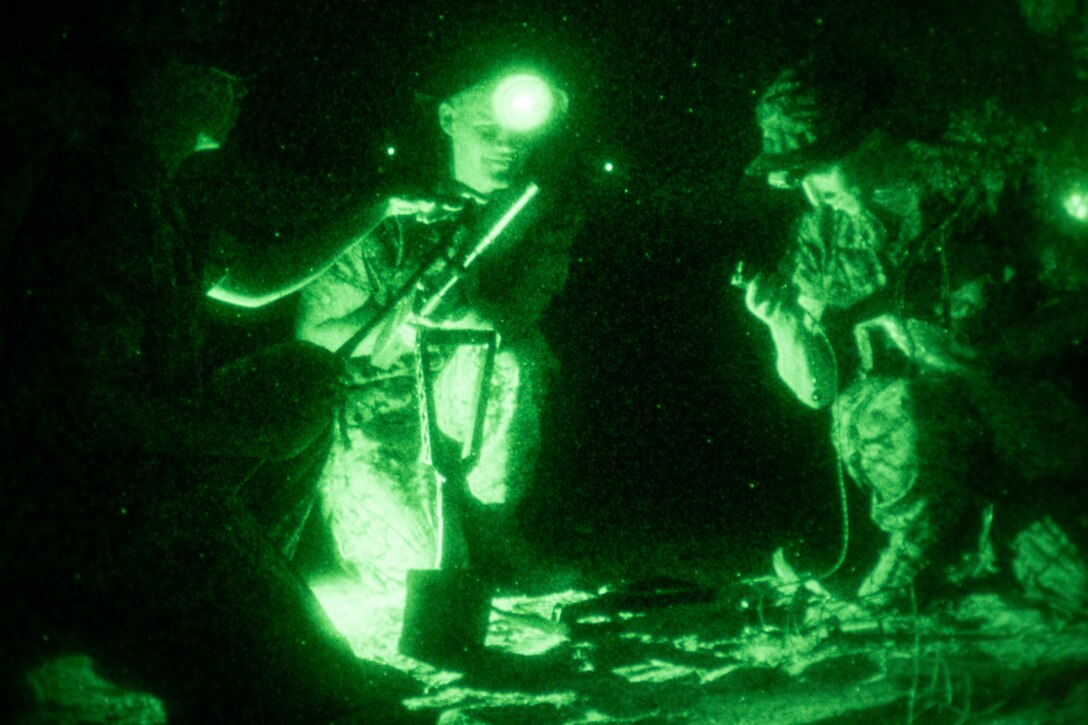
[(1076, 205), (523, 102)]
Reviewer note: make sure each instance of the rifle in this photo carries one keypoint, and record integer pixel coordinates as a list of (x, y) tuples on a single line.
[(456, 270)]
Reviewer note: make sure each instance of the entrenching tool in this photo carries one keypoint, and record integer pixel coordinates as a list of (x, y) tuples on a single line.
[(448, 608)]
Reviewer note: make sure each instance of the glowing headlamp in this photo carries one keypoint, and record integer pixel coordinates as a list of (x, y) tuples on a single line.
[(1076, 204), (523, 102)]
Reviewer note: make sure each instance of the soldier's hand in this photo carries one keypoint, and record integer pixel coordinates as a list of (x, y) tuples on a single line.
[(924, 344), (894, 332), (763, 297), (426, 208), (396, 336)]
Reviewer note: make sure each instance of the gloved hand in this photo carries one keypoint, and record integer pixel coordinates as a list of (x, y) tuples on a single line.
[(429, 208), (926, 345), (764, 296)]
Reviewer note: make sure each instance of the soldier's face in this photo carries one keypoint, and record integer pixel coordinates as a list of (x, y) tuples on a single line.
[(485, 156)]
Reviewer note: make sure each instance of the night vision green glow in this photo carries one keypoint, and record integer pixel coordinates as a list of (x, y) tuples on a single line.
[(371, 620), (608, 166), (204, 142), (1076, 205), (523, 102)]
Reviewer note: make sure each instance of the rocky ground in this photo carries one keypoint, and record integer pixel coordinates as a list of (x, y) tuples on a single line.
[(665, 651), (672, 654)]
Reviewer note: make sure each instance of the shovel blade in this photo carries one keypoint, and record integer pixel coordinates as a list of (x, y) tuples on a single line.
[(446, 615)]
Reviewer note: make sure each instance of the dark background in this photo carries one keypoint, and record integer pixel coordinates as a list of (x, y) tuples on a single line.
[(668, 438)]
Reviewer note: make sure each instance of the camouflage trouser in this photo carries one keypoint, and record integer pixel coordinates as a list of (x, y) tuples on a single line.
[(876, 435), (1050, 567), (378, 495), (915, 447)]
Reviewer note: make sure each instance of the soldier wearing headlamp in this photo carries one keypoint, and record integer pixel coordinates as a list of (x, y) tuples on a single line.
[(376, 489), (492, 125)]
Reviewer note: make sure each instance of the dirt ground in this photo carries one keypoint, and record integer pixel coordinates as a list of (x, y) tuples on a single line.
[(717, 660), (665, 651)]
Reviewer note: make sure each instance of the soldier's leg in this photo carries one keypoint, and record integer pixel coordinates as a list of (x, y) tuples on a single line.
[(908, 443), (377, 496), (285, 383), (208, 616)]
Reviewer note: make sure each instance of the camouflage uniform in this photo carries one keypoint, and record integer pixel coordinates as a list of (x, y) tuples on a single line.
[(377, 491), (922, 259), (905, 439)]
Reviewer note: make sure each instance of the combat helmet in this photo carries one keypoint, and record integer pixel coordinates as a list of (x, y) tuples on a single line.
[(815, 112)]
